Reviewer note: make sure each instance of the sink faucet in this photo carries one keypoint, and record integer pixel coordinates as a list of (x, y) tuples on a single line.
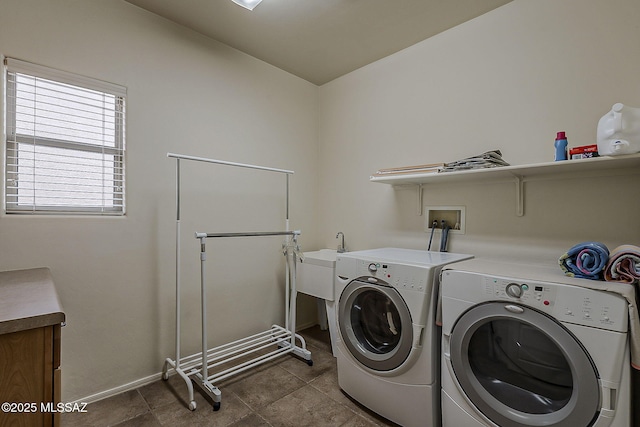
[(341, 247)]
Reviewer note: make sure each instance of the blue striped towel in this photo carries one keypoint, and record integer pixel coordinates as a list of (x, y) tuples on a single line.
[(586, 260)]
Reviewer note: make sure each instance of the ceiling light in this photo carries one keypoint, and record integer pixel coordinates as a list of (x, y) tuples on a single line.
[(247, 4)]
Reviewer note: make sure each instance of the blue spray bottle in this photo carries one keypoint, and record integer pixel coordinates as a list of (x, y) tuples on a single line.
[(561, 146)]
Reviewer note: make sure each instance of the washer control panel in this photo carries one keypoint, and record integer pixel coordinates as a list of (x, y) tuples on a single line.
[(566, 303), (534, 295), (398, 275)]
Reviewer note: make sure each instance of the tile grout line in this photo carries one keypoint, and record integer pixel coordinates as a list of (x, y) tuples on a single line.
[(148, 411)]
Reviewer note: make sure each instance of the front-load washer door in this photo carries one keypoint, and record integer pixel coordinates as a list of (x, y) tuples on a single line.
[(375, 324), (520, 367)]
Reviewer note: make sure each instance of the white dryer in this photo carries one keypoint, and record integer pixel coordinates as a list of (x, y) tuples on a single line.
[(527, 346), (388, 344)]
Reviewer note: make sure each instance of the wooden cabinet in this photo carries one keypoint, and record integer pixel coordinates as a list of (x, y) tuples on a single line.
[(30, 320)]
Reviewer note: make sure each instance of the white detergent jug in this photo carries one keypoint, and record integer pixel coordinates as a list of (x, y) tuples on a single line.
[(619, 131)]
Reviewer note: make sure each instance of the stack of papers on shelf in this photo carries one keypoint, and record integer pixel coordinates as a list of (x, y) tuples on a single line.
[(405, 170), (490, 159)]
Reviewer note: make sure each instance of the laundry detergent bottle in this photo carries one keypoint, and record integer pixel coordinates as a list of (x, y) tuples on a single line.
[(561, 146)]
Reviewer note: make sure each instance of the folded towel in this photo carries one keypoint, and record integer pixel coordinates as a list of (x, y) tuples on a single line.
[(624, 265), (585, 260)]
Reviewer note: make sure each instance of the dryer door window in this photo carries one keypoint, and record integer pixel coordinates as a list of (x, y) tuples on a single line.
[(375, 324), (520, 367)]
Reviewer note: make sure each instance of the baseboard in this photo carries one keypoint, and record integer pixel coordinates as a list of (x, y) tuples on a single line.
[(305, 326), (121, 389)]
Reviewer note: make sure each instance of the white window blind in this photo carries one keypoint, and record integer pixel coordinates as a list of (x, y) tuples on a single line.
[(65, 145)]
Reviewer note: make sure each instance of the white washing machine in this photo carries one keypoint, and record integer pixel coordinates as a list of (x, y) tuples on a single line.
[(527, 346), (388, 344)]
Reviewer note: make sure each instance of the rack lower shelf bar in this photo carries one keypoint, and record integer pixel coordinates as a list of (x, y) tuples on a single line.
[(263, 347)]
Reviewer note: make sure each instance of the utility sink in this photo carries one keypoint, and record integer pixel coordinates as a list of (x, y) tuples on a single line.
[(323, 257), (315, 274)]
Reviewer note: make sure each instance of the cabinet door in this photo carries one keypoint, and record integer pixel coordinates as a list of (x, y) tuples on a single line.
[(57, 374), (26, 362)]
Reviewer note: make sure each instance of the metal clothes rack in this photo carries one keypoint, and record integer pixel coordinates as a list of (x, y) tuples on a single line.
[(194, 369)]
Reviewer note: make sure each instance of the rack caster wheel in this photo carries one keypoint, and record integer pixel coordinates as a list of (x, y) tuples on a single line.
[(310, 362), (216, 406), (192, 405)]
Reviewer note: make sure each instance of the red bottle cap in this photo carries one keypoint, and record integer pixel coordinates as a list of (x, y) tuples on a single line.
[(561, 135)]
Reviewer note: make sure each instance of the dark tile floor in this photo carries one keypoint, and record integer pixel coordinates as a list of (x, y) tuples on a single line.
[(283, 392)]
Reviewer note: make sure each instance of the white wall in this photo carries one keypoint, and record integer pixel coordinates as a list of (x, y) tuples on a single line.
[(507, 80), (190, 95)]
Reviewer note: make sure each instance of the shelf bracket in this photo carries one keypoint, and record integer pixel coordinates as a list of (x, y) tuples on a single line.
[(419, 194), (519, 195)]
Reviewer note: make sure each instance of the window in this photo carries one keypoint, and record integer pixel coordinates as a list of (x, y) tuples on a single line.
[(65, 142)]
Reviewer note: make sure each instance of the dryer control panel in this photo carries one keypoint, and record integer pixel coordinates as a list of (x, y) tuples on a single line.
[(516, 290), (566, 303)]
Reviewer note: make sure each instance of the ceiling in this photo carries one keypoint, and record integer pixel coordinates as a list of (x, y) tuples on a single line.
[(320, 40)]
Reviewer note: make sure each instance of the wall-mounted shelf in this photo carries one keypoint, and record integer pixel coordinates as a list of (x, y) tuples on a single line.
[(597, 166)]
